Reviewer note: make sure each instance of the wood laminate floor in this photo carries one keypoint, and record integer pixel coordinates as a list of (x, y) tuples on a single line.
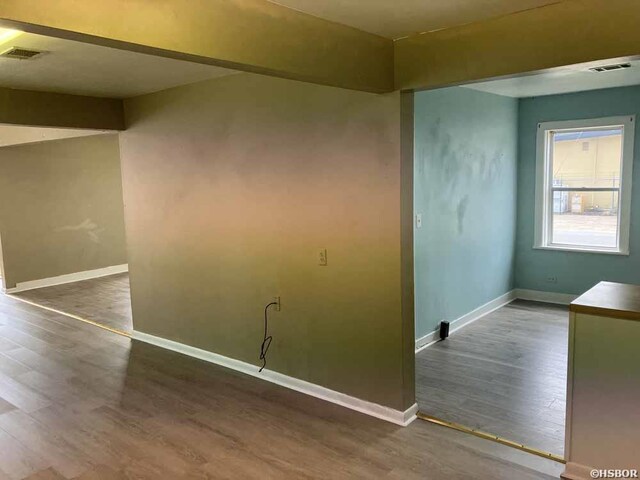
[(504, 374), (104, 300), (78, 402)]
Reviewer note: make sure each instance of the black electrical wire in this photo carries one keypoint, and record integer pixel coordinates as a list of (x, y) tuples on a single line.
[(266, 343)]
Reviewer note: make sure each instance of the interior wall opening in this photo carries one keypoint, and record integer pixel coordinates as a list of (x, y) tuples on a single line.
[(62, 223), (522, 193)]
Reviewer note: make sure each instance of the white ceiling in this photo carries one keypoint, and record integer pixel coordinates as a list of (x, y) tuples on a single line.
[(565, 80), (14, 135), (399, 18), (83, 69)]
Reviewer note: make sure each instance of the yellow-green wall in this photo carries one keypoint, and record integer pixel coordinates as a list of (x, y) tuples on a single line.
[(564, 33), (46, 109), (231, 187), (61, 208), (262, 37), (248, 35)]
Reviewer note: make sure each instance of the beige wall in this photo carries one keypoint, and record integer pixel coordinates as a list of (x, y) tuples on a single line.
[(231, 188), (61, 207)]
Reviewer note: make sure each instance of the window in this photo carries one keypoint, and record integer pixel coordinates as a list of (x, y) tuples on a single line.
[(583, 185)]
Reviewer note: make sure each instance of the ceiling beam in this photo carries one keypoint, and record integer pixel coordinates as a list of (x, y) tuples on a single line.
[(248, 35), (40, 109), (566, 33)]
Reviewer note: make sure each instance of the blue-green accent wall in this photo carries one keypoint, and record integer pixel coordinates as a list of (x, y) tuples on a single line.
[(575, 272), (465, 189)]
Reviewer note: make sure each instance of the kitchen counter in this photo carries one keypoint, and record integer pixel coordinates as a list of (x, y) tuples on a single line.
[(616, 300)]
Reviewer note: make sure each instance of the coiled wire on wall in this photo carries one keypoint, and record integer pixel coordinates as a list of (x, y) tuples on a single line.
[(266, 343)]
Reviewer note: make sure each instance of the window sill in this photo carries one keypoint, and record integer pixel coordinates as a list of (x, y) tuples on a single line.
[(567, 248)]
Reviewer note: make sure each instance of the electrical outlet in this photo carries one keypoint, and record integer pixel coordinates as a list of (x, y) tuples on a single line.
[(276, 300), (322, 257), (419, 220), (552, 279)]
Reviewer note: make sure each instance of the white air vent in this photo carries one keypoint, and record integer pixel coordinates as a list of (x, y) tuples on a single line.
[(21, 53), (610, 68)]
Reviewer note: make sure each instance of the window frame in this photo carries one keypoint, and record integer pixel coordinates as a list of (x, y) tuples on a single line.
[(544, 182)]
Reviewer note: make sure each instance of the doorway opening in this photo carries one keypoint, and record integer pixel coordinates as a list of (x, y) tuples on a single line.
[(521, 204), (63, 240)]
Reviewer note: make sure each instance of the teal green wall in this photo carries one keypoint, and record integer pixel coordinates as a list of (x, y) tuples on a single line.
[(465, 189), (576, 272)]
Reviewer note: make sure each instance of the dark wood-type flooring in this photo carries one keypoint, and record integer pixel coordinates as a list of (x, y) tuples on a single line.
[(504, 374), (104, 300), (79, 402)]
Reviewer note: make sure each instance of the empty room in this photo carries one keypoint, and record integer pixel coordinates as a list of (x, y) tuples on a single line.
[(523, 199), (63, 222), (338, 239)]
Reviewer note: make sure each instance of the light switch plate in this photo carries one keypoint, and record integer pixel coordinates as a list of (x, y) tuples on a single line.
[(419, 220)]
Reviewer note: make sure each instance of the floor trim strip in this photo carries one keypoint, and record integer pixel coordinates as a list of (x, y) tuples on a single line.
[(71, 315), (489, 436)]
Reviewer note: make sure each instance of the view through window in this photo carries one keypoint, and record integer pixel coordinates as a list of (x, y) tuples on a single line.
[(586, 167), (582, 198)]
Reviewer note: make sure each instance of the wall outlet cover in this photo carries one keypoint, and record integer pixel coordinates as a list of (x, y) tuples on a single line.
[(322, 257), (277, 303)]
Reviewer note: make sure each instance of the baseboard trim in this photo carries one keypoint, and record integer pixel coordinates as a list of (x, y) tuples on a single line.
[(496, 303), (427, 340), (466, 319), (576, 471), (68, 278), (546, 297), (379, 411)]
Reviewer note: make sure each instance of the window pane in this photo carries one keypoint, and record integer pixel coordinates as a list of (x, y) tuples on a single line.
[(585, 218), (587, 158)]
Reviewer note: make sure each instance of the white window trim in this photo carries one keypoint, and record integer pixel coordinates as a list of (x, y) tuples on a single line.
[(542, 206)]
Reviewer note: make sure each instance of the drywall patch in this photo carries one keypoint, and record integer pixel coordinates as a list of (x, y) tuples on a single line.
[(88, 227)]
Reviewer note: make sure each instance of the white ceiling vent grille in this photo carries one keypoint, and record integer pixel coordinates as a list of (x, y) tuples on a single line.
[(21, 53), (610, 68)]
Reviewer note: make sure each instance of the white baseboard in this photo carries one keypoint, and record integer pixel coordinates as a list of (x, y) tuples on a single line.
[(68, 278), (575, 471), (547, 297), (379, 411), (466, 319), (496, 303), (427, 340)]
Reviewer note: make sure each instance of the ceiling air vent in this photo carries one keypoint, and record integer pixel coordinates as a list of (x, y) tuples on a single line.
[(20, 53), (610, 68)]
